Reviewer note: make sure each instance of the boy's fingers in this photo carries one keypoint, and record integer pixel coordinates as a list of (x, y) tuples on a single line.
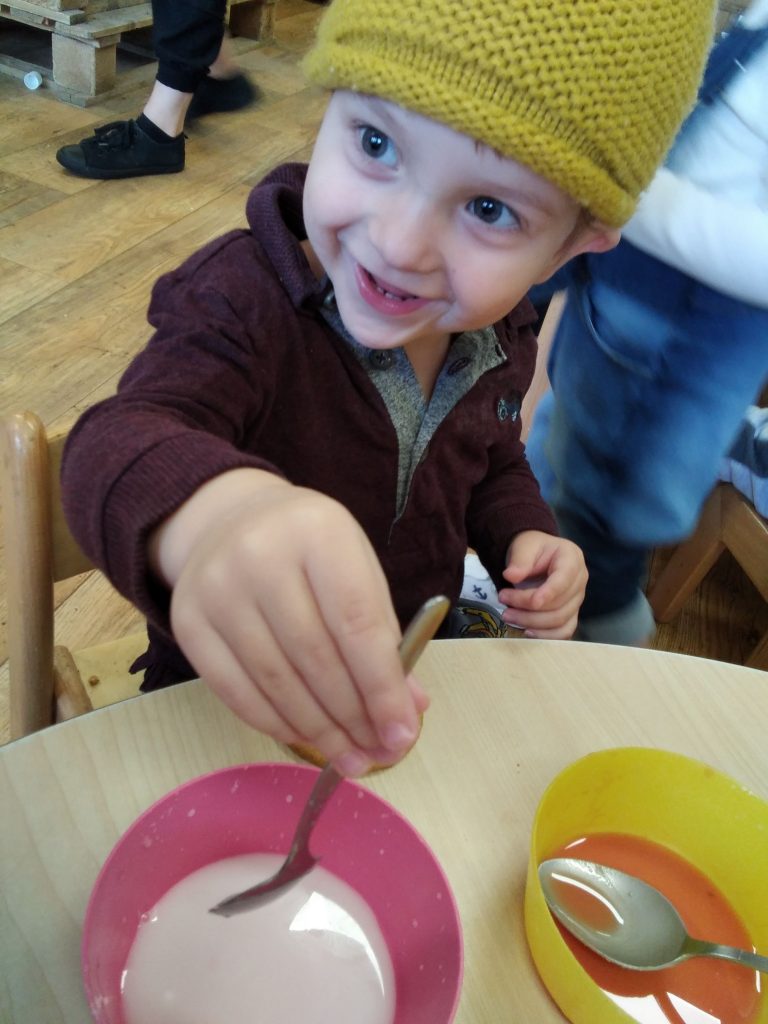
[(553, 618), (301, 674), (420, 696), (222, 672), (517, 573), (314, 655), (533, 599), (307, 723), (561, 633), (317, 664), (235, 649), (558, 588), (367, 635), (373, 661)]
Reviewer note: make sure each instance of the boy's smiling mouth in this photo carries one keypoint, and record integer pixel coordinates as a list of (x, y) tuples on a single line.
[(383, 296), (388, 289)]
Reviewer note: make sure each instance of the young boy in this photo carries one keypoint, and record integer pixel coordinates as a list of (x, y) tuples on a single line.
[(327, 414)]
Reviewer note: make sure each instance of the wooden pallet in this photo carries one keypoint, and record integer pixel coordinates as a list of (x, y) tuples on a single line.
[(727, 10), (85, 35)]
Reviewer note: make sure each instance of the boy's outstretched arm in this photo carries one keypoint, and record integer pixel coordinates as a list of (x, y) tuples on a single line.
[(280, 604), (549, 609)]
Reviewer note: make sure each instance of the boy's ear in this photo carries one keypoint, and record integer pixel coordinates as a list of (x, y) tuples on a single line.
[(594, 237)]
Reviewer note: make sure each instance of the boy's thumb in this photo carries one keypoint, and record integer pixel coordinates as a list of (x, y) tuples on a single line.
[(515, 572)]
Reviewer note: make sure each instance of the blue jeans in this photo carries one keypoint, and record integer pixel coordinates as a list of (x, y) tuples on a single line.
[(651, 374)]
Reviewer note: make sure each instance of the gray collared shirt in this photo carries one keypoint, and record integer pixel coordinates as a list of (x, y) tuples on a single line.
[(415, 418)]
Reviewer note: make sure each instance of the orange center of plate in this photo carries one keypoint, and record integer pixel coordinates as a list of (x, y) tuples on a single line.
[(698, 991)]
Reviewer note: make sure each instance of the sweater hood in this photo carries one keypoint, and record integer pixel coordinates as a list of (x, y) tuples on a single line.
[(275, 204)]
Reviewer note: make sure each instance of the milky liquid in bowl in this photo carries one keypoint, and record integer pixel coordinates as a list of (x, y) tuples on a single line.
[(250, 809), (315, 953)]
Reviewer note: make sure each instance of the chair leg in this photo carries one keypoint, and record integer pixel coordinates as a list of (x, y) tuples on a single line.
[(759, 656), (745, 534), (689, 564), (71, 696), (26, 503)]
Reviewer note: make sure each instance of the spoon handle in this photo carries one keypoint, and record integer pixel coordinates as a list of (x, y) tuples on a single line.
[(415, 638), (697, 947)]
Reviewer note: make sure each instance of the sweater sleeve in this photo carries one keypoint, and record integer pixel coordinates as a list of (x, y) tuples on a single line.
[(719, 241), (178, 419), (507, 500)]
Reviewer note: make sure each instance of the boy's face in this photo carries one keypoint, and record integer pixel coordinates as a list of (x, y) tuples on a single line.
[(425, 233)]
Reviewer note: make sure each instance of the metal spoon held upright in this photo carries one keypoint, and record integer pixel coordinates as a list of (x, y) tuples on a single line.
[(625, 920), (300, 859)]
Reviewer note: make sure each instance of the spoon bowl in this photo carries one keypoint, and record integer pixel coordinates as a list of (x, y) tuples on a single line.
[(625, 920)]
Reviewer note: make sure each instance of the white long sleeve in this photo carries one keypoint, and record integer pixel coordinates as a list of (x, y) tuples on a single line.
[(716, 239), (706, 212), (756, 15)]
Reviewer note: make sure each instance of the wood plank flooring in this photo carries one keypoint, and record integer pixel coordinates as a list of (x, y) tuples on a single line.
[(78, 259)]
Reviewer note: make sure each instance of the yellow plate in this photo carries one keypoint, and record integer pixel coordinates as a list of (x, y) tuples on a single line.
[(704, 816)]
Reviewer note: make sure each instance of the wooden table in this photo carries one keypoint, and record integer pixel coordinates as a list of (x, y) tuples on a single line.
[(506, 717)]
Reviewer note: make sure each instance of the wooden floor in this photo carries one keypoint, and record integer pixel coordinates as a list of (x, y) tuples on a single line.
[(78, 259)]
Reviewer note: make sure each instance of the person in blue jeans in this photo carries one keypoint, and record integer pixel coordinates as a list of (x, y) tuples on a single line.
[(662, 345)]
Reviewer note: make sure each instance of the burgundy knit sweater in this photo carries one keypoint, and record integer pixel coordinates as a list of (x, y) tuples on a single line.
[(243, 370)]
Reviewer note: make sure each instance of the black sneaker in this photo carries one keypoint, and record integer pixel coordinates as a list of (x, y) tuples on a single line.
[(218, 95), (122, 149)]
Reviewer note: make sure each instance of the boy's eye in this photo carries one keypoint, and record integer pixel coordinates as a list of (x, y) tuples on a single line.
[(376, 144), (492, 211)]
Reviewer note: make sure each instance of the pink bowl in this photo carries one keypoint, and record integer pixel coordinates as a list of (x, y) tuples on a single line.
[(254, 808)]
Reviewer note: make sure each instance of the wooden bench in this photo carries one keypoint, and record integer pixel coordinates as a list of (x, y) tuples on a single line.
[(85, 35)]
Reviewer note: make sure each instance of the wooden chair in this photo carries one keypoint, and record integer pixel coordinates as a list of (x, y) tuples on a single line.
[(48, 683), (728, 521)]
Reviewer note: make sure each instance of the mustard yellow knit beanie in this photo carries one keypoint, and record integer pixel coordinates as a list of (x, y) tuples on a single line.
[(588, 93)]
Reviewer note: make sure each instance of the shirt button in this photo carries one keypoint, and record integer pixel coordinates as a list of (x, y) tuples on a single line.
[(330, 299), (507, 409), (382, 359)]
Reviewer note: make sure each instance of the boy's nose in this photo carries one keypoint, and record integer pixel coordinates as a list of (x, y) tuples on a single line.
[(406, 234)]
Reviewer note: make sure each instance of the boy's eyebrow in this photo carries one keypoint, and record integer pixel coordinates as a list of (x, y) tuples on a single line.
[(483, 147), (532, 199), (380, 107), (528, 196)]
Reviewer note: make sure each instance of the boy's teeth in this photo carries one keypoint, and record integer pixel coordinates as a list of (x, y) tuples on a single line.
[(390, 294), (384, 291)]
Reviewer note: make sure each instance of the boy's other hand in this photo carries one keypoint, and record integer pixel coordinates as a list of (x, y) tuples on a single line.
[(280, 604), (548, 609)]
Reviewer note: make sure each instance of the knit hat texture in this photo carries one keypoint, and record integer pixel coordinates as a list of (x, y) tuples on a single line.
[(588, 93)]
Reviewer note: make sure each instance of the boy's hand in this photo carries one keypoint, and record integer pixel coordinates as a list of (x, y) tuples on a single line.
[(281, 605), (551, 575)]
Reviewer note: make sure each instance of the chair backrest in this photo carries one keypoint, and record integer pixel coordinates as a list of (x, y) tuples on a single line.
[(39, 550)]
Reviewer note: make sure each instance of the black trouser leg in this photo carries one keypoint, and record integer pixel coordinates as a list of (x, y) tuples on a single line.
[(187, 38)]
